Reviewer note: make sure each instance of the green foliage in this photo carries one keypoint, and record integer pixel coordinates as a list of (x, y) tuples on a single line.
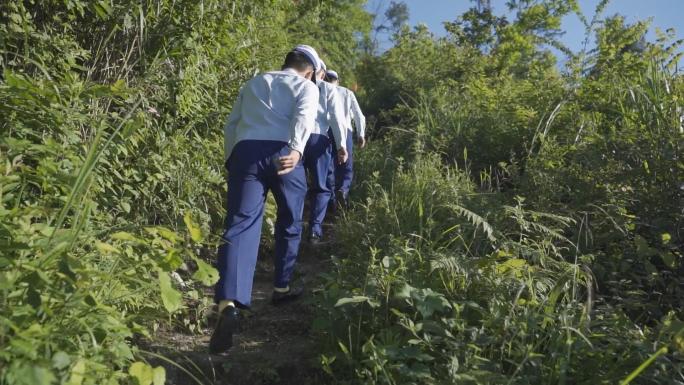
[(515, 224), (111, 172), (335, 28), (423, 293)]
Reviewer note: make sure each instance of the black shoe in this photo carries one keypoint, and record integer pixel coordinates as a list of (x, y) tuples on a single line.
[(288, 296), (315, 239), (227, 324)]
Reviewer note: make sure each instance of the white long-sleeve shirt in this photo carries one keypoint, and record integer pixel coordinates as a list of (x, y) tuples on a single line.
[(278, 105), (352, 110), (331, 114)]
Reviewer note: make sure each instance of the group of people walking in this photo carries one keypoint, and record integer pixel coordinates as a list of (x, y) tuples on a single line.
[(284, 126)]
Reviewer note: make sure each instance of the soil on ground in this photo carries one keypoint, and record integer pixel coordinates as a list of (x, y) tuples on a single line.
[(275, 344)]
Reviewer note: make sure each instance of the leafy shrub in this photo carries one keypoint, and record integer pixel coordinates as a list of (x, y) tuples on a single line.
[(111, 169), (451, 285), (515, 224)]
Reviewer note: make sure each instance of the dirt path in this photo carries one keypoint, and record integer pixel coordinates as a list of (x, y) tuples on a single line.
[(275, 345)]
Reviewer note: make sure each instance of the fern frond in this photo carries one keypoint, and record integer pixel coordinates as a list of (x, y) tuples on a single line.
[(475, 219)]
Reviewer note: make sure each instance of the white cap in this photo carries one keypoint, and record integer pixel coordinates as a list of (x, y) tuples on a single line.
[(311, 54), (322, 63), (332, 74)]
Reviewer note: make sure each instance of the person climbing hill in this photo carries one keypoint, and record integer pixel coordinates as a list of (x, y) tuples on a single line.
[(329, 129), (341, 174), (265, 137)]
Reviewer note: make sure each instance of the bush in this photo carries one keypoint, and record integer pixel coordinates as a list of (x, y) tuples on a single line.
[(111, 169), (438, 283), (518, 225)]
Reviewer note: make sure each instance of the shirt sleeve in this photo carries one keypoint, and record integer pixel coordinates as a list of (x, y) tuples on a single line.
[(336, 118), (230, 128), (303, 118), (359, 119)]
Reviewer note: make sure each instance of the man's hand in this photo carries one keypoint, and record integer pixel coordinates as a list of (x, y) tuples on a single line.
[(288, 162), (362, 141), (342, 156)]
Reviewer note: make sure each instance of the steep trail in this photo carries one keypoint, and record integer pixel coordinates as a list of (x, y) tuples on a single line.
[(274, 346)]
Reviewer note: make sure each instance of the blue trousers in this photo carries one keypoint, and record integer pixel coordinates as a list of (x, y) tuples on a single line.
[(317, 160), (340, 175), (252, 172)]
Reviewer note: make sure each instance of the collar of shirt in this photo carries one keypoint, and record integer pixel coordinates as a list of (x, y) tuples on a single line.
[(290, 71)]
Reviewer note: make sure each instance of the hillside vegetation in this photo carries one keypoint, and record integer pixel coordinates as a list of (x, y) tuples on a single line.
[(519, 224), (514, 221), (111, 168)]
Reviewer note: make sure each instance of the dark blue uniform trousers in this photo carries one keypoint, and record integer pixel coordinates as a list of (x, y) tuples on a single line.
[(340, 175), (252, 172), (317, 160)]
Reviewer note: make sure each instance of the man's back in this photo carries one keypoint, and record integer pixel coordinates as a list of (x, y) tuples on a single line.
[(278, 106), (352, 111), (330, 114)]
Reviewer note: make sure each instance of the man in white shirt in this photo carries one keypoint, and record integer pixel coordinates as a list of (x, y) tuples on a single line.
[(265, 136), (318, 153), (340, 179)]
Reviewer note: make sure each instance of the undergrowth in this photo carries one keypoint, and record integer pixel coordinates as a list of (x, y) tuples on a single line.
[(514, 224)]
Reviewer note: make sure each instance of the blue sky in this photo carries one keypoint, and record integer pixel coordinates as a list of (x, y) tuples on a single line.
[(664, 13)]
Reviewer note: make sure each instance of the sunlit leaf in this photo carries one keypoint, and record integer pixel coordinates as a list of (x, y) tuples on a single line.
[(205, 273), (354, 299), (143, 373), (78, 373), (171, 298), (193, 228)]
